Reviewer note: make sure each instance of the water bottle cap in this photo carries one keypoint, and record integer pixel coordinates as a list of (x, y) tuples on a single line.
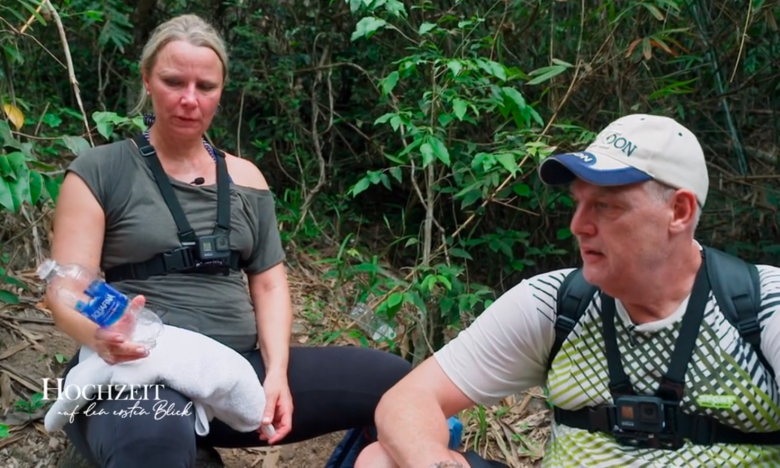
[(45, 268)]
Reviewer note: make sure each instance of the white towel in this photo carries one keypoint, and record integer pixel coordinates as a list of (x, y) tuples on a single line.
[(220, 382)]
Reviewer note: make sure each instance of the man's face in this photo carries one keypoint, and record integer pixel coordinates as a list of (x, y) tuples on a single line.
[(623, 232)]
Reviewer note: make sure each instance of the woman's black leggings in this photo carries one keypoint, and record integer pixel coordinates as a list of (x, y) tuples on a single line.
[(333, 388)]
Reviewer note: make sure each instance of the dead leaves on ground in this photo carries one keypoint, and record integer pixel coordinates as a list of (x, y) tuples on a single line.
[(514, 431)]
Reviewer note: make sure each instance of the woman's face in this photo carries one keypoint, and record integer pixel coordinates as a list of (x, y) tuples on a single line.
[(185, 85)]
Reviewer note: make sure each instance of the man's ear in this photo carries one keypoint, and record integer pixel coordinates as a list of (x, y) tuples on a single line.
[(684, 208)]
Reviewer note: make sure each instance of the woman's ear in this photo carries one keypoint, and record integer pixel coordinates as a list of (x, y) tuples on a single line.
[(684, 208)]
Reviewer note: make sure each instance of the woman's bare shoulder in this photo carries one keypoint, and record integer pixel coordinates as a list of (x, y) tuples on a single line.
[(245, 173)]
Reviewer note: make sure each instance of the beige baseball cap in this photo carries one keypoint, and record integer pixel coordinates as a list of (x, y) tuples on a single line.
[(632, 149)]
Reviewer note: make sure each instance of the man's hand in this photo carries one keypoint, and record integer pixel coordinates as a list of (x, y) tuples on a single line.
[(278, 407)]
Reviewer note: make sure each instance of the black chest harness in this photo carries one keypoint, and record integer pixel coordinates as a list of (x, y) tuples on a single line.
[(656, 421), (209, 254)]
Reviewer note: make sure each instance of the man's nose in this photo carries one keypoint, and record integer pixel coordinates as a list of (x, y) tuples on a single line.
[(581, 223)]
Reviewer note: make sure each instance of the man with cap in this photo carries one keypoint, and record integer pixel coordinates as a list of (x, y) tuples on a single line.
[(639, 189)]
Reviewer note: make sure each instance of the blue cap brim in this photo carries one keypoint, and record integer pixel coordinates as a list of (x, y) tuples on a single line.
[(598, 170)]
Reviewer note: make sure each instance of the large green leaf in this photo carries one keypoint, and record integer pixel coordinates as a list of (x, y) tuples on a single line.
[(6, 199), (367, 26), (52, 187), (440, 150), (20, 188), (7, 297), (36, 186)]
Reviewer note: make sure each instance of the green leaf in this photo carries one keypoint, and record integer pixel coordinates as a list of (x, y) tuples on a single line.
[(459, 106), (7, 297), (445, 281), (522, 189), (515, 96), (389, 83), (414, 298), (52, 120), (17, 162), (76, 144), (395, 122), (654, 11), (20, 188), (546, 73), (36, 186), (15, 282), (360, 186), (8, 138), (425, 28), (440, 150), (445, 119), (394, 300), (52, 187), (563, 233), (508, 161), (498, 70), (6, 199), (395, 8), (426, 150), (460, 253), (384, 118), (5, 167), (367, 26), (470, 197), (397, 174), (455, 66)]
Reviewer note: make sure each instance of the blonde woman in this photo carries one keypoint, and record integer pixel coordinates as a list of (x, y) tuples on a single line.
[(200, 265)]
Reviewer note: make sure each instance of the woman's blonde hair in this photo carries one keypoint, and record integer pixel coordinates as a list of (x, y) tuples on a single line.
[(189, 28)]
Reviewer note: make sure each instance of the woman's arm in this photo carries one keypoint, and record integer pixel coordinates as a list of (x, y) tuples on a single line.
[(79, 225), (270, 295)]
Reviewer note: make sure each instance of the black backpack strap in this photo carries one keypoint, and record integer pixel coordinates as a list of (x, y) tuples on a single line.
[(574, 297), (185, 232), (737, 289)]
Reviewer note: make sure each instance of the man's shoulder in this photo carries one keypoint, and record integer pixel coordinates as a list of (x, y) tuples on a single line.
[(549, 281), (770, 278)]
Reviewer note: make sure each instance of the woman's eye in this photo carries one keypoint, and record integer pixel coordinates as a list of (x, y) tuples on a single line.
[(171, 82)]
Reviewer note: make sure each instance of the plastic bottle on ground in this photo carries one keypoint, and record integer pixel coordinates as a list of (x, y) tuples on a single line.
[(376, 327)]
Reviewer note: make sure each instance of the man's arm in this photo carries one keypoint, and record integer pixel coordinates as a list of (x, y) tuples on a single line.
[(412, 416), (503, 352)]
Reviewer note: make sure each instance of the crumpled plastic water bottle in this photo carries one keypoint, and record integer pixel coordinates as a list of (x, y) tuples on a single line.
[(371, 323), (77, 288)]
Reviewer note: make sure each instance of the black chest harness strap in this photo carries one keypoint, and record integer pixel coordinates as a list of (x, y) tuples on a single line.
[(209, 254), (655, 421)]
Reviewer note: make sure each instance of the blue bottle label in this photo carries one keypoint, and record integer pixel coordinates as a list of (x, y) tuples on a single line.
[(106, 304)]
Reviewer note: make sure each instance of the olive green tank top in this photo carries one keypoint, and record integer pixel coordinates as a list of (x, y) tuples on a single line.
[(139, 225)]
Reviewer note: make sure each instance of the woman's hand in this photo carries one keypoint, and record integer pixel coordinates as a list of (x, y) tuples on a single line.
[(111, 343), (278, 407)]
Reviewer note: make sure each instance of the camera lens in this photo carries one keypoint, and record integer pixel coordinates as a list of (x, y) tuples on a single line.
[(649, 411)]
